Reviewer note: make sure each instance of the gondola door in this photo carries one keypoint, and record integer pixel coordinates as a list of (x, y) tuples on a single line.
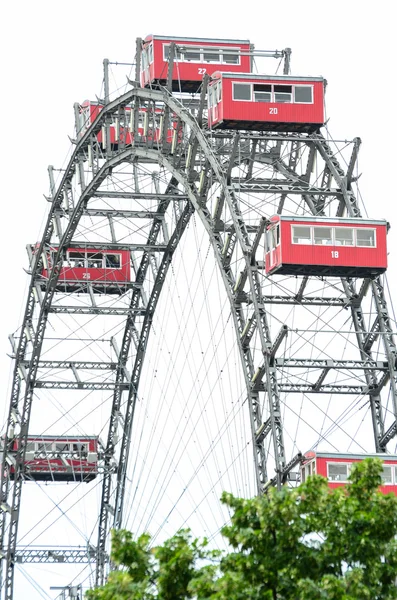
[(215, 98), (273, 246)]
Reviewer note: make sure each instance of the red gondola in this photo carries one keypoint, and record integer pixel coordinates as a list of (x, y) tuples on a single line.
[(336, 468), (194, 57), (50, 458), (323, 246), (265, 102), (149, 125), (108, 271)]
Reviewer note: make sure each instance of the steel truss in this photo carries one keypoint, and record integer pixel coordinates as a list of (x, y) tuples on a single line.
[(232, 181), (56, 555)]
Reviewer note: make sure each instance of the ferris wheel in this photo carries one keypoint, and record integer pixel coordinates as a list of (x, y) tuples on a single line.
[(206, 307)]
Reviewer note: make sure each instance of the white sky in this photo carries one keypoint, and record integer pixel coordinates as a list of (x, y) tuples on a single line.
[(52, 55)]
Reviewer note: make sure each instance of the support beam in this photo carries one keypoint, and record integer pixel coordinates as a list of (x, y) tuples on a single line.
[(263, 431), (388, 436), (277, 342), (66, 364), (119, 246), (320, 380), (313, 363), (82, 385), (97, 310), (357, 390), (54, 554)]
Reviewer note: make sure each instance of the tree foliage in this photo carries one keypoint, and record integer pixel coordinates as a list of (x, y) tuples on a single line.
[(307, 543)]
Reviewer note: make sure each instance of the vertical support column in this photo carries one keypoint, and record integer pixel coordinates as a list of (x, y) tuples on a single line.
[(135, 109), (166, 117), (106, 80), (106, 99), (76, 107), (388, 339), (287, 61), (138, 56), (52, 181)]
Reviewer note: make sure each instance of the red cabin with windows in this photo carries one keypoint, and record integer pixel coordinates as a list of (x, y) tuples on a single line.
[(322, 246), (108, 271), (336, 468), (194, 57), (149, 125), (50, 458), (265, 102)]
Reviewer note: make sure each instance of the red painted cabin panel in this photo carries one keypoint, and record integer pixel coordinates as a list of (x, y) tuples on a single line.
[(266, 102), (194, 58), (336, 468), (149, 125), (109, 271), (67, 459), (321, 246)]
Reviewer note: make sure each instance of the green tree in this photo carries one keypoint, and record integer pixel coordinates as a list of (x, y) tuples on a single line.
[(307, 543), (169, 571)]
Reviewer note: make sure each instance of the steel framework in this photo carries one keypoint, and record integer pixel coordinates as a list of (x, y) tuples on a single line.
[(289, 330)]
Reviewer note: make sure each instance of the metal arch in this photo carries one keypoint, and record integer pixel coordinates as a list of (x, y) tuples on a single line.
[(244, 328), (243, 238), (46, 305)]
